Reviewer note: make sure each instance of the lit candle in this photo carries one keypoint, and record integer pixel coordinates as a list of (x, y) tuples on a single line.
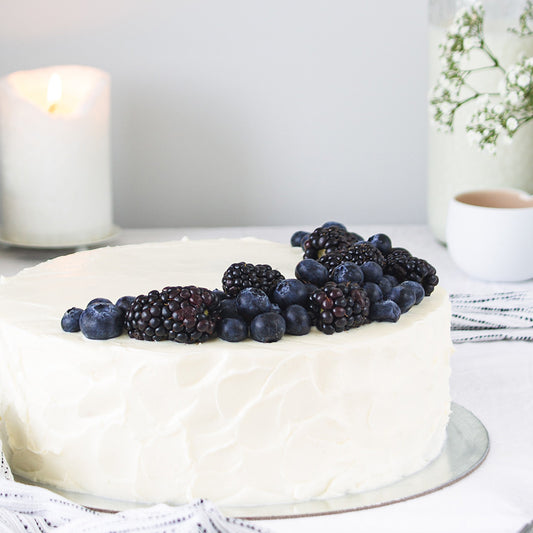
[(54, 155), (53, 95)]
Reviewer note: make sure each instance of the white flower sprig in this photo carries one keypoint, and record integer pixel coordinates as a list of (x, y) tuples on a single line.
[(504, 118), (498, 114), (526, 17)]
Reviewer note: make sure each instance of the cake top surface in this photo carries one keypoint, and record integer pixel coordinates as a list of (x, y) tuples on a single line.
[(36, 298)]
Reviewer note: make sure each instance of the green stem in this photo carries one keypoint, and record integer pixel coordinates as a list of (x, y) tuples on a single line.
[(523, 121), (486, 49), (466, 100), (478, 69)]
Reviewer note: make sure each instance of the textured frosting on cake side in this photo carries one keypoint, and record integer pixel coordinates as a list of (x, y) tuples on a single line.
[(240, 423)]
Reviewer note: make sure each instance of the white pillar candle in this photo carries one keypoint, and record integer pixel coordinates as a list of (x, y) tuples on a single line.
[(54, 153)]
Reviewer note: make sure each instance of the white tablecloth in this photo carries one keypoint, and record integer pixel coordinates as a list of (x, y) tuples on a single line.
[(493, 380)]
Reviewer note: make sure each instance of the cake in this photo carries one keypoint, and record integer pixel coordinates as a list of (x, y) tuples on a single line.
[(248, 423)]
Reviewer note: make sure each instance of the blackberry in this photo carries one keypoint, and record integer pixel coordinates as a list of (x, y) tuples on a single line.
[(398, 252), (182, 314), (324, 241), (144, 318), (358, 253), (364, 251), (339, 307), (332, 260), (405, 267), (239, 276)]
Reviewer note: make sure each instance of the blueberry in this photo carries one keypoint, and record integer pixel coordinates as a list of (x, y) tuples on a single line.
[(71, 320), (311, 271), (297, 320), (382, 242), (228, 308), (95, 301), (275, 308), (267, 327), (332, 223), (392, 279), (403, 296), (417, 288), (372, 271), (385, 311), (299, 237), (347, 271), (373, 291), (310, 288), (289, 292), (125, 303), (252, 302), (232, 329), (102, 321), (386, 287)]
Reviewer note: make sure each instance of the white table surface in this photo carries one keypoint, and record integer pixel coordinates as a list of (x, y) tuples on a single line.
[(493, 380)]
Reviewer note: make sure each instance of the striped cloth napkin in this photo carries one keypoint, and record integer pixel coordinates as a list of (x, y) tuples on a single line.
[(497, 316), (29, 509)]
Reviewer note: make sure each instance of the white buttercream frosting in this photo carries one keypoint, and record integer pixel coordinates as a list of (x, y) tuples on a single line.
[(240, 423)]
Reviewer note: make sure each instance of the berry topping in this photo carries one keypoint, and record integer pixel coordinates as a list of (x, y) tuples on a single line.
[(232, 329), (339, 307), (403, 266), (417, 288), (311, 271), (252, 302), (240, 276), (361, 252), (298, 238), (385, 311), (403, 296), (333, 224), (386, 287), (354, 237), (382, 242), (125, 303), (373, 291), (324, 241), (297, 320), (182, 314), (358, 253), (71, 320), (289, 292), (372, 271), (393, 281), (228, 308), (267, 327), (102, 321), (347, 271), (95, 301)]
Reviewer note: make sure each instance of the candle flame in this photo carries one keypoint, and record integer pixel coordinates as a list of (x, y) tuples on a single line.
[(54, 92)]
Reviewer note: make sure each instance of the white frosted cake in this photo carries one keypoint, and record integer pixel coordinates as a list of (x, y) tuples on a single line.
[(307, 417)]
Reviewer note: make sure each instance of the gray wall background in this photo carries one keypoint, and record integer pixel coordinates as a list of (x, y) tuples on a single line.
[(248, 112)]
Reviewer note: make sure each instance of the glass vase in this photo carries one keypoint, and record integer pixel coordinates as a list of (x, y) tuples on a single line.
[(456, 162)]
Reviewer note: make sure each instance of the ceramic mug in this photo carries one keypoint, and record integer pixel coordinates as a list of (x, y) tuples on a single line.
[(490, 234)]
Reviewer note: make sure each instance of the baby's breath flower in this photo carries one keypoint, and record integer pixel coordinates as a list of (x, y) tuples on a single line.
[(524, 21), (497, 115), (511, 124), (524, 80)]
